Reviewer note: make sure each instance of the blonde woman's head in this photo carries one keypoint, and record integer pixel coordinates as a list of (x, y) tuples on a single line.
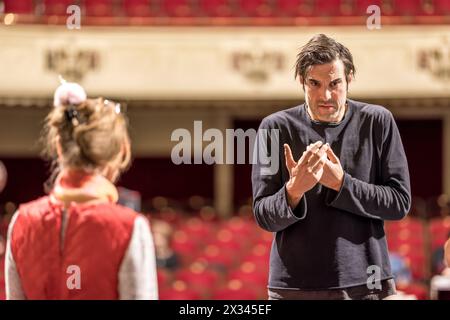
[(87, 134)]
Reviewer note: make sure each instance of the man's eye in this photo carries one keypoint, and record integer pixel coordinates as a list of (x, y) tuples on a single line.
[(334, 84)]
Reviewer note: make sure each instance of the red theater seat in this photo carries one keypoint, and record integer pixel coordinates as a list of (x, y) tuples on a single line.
[(56, 7), (400, 245), (183, 243), (440, 225), (405, 237), (186, 246), (99, 8), (137, 8), (179, 291), (218, 257), (332, 8), (408, 7), (250, 274), (216, 8), (177, 8), (228, 240), (416, 262), (360, 7), (439, 231), (199, 278), (170, 216), (265, 237), (297, 8), (19, 6), (438, 241), (198, 229), (164, 277), (412, 224), (241, 227), (417, 289), (255, 8), (259, 254), (441, 7), (235, 290), (406, 249), (198, 270)]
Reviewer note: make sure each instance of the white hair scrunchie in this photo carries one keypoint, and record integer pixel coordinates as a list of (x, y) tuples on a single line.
[(69, 93)]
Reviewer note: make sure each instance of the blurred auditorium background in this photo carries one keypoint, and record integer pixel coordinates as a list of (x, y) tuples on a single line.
[(227, 63)]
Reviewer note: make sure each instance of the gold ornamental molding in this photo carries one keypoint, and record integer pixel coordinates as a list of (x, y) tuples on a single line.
[(436, 61), (258, 65), (72, 65)]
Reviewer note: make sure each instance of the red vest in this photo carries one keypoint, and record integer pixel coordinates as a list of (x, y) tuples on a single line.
[(96, 238)]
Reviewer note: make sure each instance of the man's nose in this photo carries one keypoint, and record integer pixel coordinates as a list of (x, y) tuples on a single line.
[(326, 95)]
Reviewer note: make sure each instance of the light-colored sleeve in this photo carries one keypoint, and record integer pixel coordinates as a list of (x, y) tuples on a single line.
[(137, 273), (447, 253), (13, 285)]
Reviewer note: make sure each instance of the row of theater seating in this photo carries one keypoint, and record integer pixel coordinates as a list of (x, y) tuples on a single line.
[(221, 259), (230, 8), (247, 281), (410, 237), (197, 283), (239, 251), (416, 241), (228, 259), (414, 232), (224, 245)]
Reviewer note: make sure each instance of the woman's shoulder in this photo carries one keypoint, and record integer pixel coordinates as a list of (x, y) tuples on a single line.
[(35, 206), (113, 212)]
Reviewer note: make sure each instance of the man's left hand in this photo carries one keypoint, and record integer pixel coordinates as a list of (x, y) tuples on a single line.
[(333, 174)]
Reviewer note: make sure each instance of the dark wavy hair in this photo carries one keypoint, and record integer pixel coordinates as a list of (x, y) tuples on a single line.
[(320, 50)]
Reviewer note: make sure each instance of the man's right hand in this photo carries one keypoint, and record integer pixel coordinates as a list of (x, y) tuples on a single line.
[(306, 173)]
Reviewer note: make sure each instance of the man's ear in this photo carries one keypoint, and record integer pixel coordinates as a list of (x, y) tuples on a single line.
[(302, 82), (350, 77)]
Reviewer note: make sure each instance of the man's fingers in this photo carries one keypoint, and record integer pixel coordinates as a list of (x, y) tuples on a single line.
[(301, 158), (306, 153), (317, 166), (319, 156), (314, 147), (290, 162), (332, 156), (314, 154), (310, 150)]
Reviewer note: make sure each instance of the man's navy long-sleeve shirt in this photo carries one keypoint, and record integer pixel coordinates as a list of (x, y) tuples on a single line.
[(331, 238)]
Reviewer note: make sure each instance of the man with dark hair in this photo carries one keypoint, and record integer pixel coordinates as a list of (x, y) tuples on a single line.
[(345, 173)]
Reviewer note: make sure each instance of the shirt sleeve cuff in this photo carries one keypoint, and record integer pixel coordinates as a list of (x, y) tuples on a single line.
[(299, 212), (332, 196)]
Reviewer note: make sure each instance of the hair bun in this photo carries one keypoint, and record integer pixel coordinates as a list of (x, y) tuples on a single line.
[(69, 93)]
